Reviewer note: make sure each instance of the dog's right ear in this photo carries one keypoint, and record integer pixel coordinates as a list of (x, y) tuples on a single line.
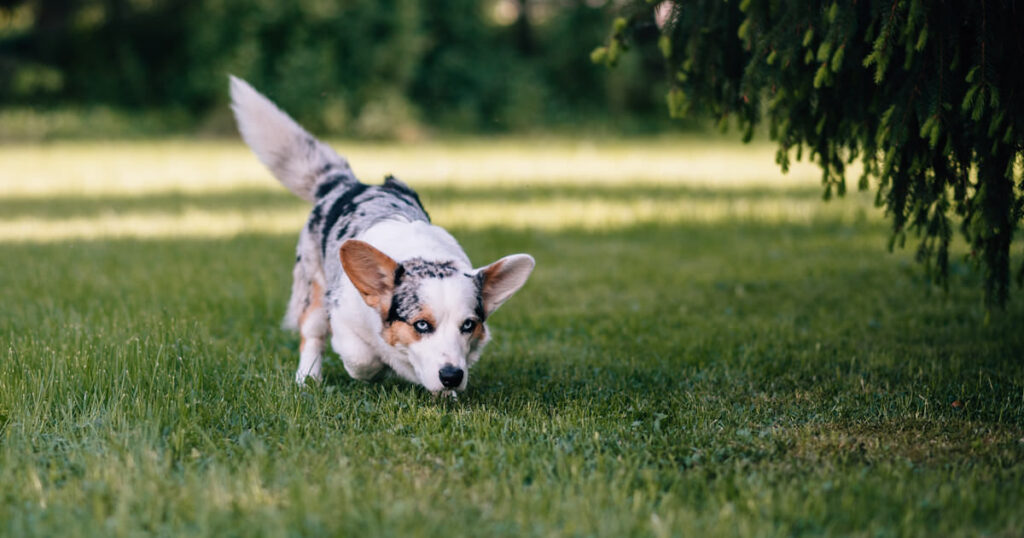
[(371, 271), (503, 278)]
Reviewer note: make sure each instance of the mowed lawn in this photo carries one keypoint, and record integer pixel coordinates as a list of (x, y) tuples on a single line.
[(705, 348)]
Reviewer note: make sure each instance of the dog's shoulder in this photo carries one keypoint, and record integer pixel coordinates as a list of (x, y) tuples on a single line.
[(344, 209)]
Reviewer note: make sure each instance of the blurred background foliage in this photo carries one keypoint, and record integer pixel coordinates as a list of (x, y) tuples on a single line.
[(371, 68)]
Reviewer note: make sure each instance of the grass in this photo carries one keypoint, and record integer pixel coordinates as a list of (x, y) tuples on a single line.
[(706, 348)]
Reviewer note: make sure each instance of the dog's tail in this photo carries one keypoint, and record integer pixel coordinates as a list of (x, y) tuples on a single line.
[(297, 159)]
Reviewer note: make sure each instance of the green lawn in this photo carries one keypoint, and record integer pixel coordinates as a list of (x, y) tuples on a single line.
[(705, 348)]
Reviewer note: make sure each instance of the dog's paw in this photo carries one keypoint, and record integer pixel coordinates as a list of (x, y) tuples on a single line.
[(302, 377)]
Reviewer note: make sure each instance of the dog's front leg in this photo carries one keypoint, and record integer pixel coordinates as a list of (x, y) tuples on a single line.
[(313, 328), (360, 360)]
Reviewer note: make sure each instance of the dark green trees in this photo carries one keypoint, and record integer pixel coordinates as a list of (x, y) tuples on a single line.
[(363, 67), (928, 95)]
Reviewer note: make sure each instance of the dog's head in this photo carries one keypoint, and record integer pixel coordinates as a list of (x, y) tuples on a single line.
[(434, 312)]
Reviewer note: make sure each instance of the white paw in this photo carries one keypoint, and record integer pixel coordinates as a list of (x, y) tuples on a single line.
[(310, 365), (301, 377)]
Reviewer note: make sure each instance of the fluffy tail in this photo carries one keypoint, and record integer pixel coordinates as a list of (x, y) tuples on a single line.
[(296, 159)]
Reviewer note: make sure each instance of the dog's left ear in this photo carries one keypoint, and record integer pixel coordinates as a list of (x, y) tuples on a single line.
[(371, 271), (503, 278)]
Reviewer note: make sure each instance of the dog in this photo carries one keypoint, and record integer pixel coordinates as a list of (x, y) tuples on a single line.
[(392, 291)]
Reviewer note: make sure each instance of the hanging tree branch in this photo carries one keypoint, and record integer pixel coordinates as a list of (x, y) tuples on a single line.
[(913, 87)]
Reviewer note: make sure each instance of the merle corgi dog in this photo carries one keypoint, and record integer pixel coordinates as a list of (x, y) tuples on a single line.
[(391, 290)]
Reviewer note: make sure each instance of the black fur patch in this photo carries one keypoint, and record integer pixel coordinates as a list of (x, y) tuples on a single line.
[(327, 186), (478, 281), (315, 217), (401, 299), (404, 305), (344, 205), (399, 273), (351, 207), (421, 268), (407, 195)]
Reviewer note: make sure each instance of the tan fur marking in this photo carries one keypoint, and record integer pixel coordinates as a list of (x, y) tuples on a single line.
[(400, 332), (316, 301), (478, 332)]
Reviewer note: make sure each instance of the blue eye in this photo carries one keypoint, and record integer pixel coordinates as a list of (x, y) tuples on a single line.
[(468, 326), (422, 326)]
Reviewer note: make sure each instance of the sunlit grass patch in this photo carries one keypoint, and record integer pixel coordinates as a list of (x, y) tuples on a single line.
[(218, 189), (557, 213), (188, 223), (119, 168), (602, 214)]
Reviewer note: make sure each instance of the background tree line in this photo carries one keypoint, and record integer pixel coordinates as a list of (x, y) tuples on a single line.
[(364, 67)]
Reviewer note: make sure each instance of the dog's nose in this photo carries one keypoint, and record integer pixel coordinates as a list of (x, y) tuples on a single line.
[(450, 376)]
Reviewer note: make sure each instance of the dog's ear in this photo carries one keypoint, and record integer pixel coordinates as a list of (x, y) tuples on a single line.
[(502, 278), (371, 271)]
